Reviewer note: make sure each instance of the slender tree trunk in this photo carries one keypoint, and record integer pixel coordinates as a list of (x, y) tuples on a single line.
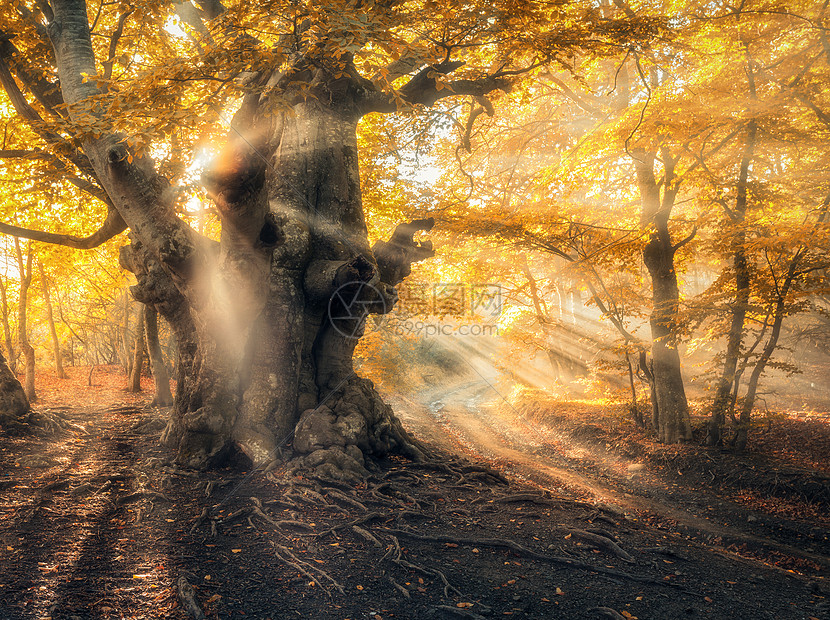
[(673, 411), (647, 368), (134, 384), (162, 396), (56, 346), (125, 336), (7, 330), (25, 268), (544, 321), (723, 395), (780, 311), (635, 408), (565, 365)]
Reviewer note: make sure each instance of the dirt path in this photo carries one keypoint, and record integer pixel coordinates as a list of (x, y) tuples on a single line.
[(73, 545), (99, 526), (470, 418)]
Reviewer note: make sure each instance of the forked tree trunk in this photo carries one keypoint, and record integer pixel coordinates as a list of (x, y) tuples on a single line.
[(134, 381), (25, 268), (672, 409), (779, 313), (56, 346), (723, 402), (162, 396)]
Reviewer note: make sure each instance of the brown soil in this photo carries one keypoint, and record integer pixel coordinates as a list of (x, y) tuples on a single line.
[(106, 529)]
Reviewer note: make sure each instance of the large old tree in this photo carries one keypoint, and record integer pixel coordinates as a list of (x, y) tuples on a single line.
[(267, 315)]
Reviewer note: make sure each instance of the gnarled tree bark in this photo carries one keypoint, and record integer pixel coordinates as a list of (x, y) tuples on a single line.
[(267, 319), (13, 402)]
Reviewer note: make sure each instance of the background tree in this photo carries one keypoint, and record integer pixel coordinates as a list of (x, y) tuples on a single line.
[(24, 266), (47, 301)]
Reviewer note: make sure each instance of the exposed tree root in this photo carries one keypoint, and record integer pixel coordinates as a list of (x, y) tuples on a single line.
[(359, 521), (345, 499), (201, 519), (140, 495), (366, 535), (516, 547), (317, 575), (606, 612), (400, 588), (41, 424), (281, 523), (603, 542), (518, 498), (394, 554), (461, 613)]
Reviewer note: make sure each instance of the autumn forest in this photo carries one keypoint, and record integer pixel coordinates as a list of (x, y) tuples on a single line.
[(414, 309)]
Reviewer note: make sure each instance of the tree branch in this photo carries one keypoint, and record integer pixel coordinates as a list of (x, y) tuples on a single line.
[(46, 92), (683, 242), (424, 88), (112, 226), (36, 122), (395, 257), (116, 36), (139, 193)]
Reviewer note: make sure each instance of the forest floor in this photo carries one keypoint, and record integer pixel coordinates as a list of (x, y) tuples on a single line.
[(504, 522)]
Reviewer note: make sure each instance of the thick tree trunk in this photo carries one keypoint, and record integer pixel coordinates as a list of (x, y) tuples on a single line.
[(162, 396), (672, 409), (56, 346), (267, 320), (134, 381), (7, 330), (674, 423)]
